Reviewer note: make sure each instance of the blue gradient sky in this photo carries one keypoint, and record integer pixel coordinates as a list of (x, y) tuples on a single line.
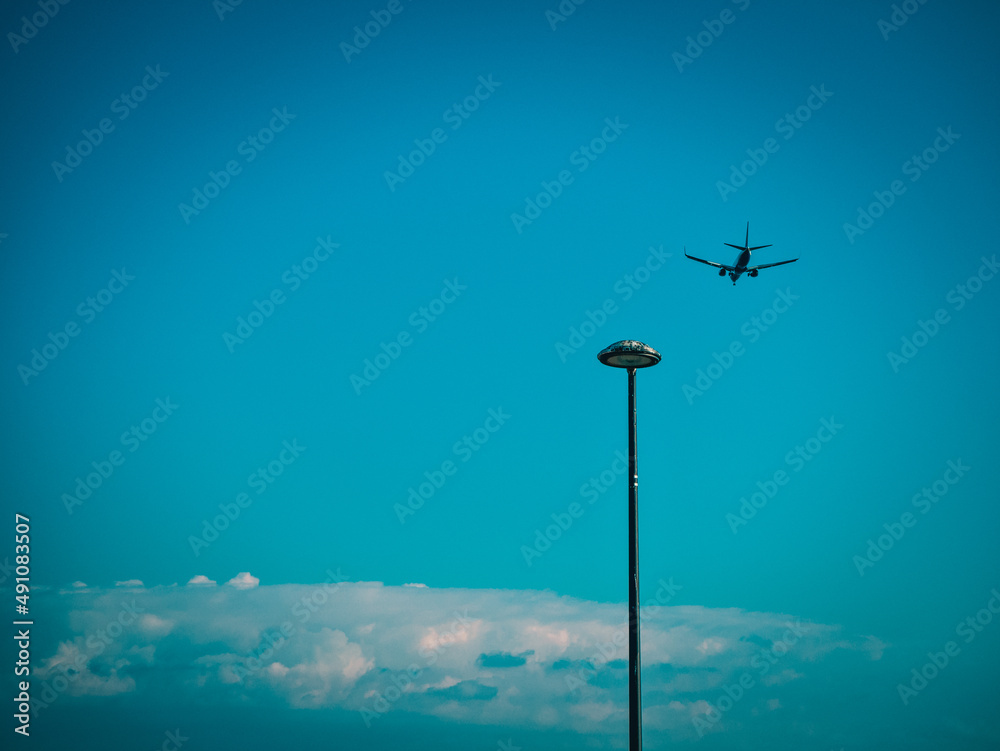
[(523, 288)]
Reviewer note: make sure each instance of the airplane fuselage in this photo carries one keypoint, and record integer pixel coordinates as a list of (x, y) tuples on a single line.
[(742, 261)]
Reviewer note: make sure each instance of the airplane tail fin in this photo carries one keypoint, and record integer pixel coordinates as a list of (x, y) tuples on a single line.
[(746, 244)]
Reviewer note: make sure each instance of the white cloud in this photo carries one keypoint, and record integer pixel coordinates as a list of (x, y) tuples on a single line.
[(711, 647), (107, 680), (381, 649), (129, 583), (154, 625), (201, 581), (243, 580)]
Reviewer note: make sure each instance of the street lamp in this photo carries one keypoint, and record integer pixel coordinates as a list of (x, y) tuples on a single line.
[(631, 355)]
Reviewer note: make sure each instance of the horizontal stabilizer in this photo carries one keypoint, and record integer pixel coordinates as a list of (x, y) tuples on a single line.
[(740, 247)]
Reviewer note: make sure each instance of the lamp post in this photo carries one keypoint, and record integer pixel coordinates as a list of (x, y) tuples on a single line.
[(631, 355)]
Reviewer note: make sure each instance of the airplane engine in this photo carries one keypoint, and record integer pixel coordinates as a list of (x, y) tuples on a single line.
[(755, 272), (722, 272)]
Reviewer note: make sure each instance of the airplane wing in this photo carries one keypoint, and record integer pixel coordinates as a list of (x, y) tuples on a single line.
[(713, 263), (769, 265)]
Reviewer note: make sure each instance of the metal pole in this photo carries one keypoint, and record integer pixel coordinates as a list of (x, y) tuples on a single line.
[(634, 696)]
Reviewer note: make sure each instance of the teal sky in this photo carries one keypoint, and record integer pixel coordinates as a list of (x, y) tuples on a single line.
[(254, 268)]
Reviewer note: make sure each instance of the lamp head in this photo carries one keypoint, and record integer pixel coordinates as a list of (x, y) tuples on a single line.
[(630, 354)]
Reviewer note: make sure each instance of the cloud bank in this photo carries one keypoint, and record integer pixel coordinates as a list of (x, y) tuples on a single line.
[(503, 657)]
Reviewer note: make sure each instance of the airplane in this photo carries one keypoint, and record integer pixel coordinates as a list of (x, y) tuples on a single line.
[(742, 260)]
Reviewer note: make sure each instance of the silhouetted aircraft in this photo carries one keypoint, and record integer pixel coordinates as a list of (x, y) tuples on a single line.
[(742, 260)]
